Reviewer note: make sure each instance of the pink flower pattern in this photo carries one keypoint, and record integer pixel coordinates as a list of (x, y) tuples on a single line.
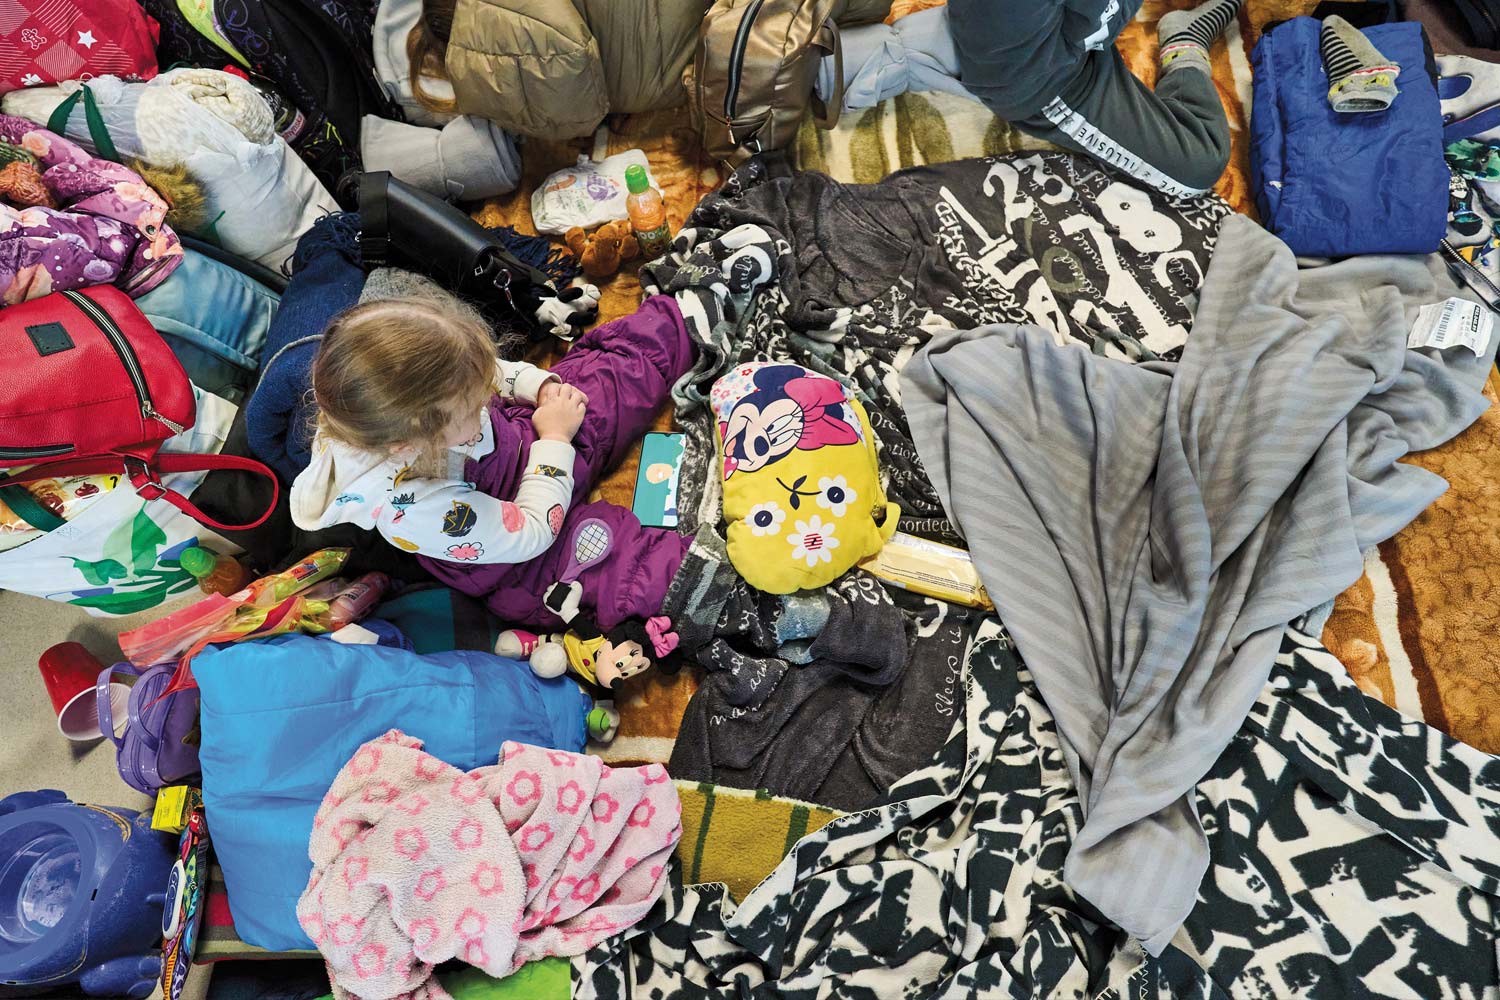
[(583, 846), (642, 815), (468, 834), (570, 798), (470, 924), (604, 807), (535, 837), (466, 789), (356, 870), (430, 884), (488, 879), (525, 787), (423, 933), (381, 791), (365, 761), (411, 843), (439, 861), (369, 961), (413, 804)]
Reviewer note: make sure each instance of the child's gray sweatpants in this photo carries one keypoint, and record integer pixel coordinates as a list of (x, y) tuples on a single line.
[(1051, 67)]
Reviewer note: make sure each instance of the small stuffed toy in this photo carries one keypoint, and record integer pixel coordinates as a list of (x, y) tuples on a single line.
[(21, 185), (187, 202), (21, 181), (601, 252), (595, 656)]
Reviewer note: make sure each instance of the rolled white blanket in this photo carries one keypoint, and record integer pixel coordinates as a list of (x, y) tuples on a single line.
[(260, 195)]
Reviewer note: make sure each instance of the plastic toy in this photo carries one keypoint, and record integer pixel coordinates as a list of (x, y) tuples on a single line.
[(80, 896), (597, 657), (183, 913)]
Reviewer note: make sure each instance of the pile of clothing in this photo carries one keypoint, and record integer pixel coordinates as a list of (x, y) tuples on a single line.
[(1162, 437)]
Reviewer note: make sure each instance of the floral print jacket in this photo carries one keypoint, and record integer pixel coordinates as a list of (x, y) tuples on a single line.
[(108, 228)]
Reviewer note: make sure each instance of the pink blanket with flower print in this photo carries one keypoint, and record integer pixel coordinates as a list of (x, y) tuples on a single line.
[(416, 862)]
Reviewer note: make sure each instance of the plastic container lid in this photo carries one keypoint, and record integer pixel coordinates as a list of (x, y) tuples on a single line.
[(37, 884), (636, 180), (198, 561)]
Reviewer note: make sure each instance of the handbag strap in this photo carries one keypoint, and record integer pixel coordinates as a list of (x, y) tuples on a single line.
[(58, 122), (144, 475), (106, 709), (27, 508), (827, 116)]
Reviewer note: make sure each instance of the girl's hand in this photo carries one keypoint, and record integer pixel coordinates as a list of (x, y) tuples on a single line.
[(552, 387), (559, 414)]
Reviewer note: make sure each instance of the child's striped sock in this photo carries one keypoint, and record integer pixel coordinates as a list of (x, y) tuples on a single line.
[(1359, 77), (1185, 35)]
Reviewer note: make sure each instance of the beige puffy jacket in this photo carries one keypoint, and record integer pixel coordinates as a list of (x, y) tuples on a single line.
[(555, 68)]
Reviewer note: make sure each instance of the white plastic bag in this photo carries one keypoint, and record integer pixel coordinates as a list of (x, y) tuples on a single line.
[(589, 194), (120, 555)]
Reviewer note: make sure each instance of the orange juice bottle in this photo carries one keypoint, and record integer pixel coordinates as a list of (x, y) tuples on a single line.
[(648, 214)]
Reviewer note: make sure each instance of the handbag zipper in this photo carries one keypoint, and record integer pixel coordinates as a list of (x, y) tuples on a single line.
[(737, 57), (41, 451), (116, 338)]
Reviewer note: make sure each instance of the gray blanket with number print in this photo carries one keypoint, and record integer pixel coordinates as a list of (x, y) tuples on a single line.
[(1148, 531)]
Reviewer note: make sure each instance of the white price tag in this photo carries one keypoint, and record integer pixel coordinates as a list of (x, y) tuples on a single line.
[(1451, 323)]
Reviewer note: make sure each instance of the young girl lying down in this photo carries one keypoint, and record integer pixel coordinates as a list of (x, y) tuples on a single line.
[(480, 465)]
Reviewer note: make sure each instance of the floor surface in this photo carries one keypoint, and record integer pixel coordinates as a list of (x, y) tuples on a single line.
[(33, 754)]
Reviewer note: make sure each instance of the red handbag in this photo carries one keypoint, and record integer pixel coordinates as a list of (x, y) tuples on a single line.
[(49, 41), (89, 386)]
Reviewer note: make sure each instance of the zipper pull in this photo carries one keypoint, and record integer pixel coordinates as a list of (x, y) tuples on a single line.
[(149, 412)]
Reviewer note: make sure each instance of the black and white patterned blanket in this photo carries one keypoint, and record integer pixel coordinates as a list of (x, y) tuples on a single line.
[(1355, 853), (861, 276), (851, 281)]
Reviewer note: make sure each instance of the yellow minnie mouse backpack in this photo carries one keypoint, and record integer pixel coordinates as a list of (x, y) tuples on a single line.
[(802, 495)]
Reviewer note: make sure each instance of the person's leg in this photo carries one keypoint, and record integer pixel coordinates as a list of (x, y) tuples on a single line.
[(627, 368), (1175, 139), (627, 579)]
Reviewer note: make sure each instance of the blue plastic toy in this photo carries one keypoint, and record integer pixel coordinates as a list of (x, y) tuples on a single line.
[(81, 895)]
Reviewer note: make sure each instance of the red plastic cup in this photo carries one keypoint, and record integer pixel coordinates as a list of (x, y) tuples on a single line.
[(71, 673)]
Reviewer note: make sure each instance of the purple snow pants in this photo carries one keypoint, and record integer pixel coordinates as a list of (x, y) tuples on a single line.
[(627, 369)]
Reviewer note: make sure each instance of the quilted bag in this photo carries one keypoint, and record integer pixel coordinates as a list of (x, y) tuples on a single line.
[(49, 41)]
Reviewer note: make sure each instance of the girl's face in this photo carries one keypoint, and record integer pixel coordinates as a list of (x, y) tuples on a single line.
[(463, 430)]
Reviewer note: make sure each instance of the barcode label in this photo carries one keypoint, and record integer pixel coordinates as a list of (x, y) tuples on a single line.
[(1452, 323)]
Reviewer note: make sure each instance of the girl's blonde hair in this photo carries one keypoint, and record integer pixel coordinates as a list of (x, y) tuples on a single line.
[(397, 372), (426, 47)]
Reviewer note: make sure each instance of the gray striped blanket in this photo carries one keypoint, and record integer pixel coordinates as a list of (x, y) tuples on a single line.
[(1148, 531)]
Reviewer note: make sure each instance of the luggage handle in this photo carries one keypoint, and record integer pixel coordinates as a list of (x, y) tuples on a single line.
[(105, 709), (58, 121), (826, 114), (144, 476)]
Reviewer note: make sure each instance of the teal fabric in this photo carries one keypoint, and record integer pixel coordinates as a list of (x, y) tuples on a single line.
[(280, 717), (215, 320), (436, 619)]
